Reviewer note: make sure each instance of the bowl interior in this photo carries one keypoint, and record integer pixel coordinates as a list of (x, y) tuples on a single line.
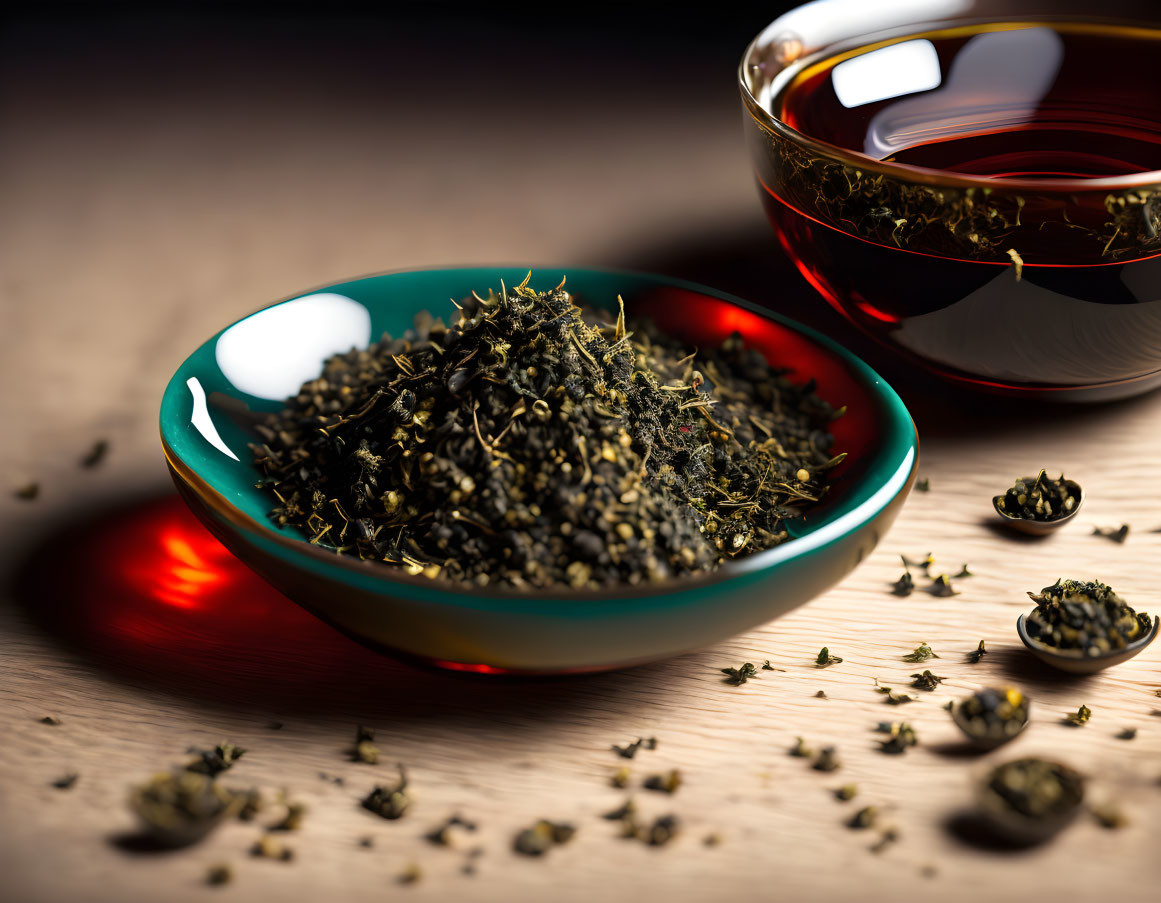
[(214, 399)]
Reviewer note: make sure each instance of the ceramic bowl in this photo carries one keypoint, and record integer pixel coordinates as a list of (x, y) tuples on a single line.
[(216, 395)]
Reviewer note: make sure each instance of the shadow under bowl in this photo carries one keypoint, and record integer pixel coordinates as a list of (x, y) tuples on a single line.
[(1082, 664), (227, 385)]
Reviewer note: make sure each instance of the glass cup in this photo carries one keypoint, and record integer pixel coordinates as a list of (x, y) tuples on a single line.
[(974, 183)]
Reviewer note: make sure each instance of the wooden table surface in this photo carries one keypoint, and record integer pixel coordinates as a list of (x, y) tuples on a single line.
[(149, 206)]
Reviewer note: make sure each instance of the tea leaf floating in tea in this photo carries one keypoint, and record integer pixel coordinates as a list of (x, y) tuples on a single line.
[(1039, 498), (526, 447), (1084, 617)]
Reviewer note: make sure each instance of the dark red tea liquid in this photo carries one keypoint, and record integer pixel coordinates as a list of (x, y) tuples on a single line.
[(1034, 101)]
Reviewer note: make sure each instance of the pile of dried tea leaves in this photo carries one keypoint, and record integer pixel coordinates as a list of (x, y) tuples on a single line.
[(1084, 617), (524, 446), (1040, 498)]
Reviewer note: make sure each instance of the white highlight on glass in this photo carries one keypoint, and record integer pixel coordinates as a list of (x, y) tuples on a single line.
[(905, 68), (273, 352), (200, 418)]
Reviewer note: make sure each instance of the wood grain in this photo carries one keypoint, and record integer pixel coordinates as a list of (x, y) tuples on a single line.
[(179, 217)]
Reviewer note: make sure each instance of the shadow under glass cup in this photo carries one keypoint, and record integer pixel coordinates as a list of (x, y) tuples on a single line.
[(974, 183)]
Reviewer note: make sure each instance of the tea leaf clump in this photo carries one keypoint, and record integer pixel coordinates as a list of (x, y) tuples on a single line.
[(529, 446)]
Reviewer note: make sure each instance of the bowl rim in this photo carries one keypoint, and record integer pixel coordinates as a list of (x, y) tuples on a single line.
[(926, 175), (899, 431)]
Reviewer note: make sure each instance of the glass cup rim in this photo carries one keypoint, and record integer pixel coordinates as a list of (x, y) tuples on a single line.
[(907, 172)]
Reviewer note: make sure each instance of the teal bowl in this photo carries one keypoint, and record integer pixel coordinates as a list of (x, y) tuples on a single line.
[(215, 397)]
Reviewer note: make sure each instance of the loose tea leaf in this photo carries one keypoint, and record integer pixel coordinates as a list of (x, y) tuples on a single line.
[(1079, 717), (923, 564), (214, 761), (941, 586), (54, 722), (630, 750), (923, 485), (894, 698), (964, 572), (1087, 618), (251, 803), (864, 818), (179, 808), (847, 792), (825, 659), (389, 802), (441, 835), (738, 676), (269, 847), (886, 838), (904, 586), (976, 654), (1128, 733), (217, 875), (1116, 534), (827, 760), (662, 831), (821, 694), (411, 874), (1039, 498), (620, 778), (541, 837), (665, 783), (64, 782), (28, 492), (922, 653), (925, 680), (95, 455), (527, 447), (1109, 815), (291, 820), (800, 749), (902, 736), (365, 750)]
